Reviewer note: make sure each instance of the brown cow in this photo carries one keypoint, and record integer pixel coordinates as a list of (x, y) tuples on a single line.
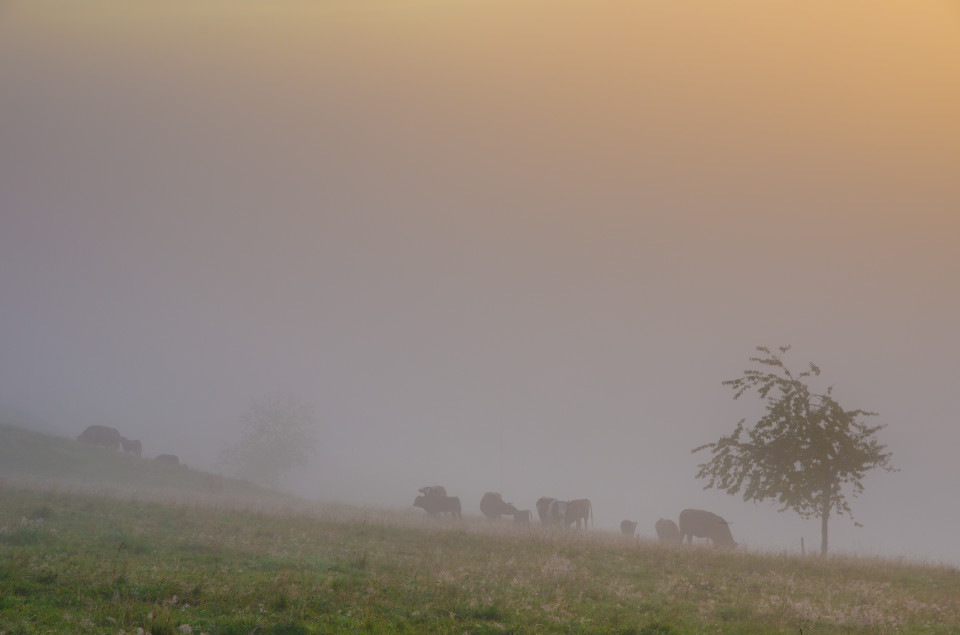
[(628, 528)]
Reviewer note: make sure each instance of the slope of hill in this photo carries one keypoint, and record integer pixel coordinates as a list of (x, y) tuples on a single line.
[(74, 560), (46, 461)]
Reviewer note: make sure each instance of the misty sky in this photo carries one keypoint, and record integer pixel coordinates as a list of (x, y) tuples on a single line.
[(506, 245)]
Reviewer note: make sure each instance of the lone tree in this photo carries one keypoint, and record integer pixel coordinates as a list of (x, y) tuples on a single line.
[(802, 452), (278, 435)]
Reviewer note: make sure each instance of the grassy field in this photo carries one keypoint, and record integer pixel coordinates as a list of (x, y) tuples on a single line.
[(75, 559)]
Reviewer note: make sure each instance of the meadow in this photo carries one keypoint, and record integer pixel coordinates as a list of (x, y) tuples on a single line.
[(82, 557)]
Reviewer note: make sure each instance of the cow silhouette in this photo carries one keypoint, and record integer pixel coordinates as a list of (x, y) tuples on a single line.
[(667, 531), (551, 511), (579, 510), (133, 446), (104, 436), (493, 507), (704, 524), (435, 505)]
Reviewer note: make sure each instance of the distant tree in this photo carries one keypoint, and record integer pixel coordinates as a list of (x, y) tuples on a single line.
[(277, 436), (802, 452)]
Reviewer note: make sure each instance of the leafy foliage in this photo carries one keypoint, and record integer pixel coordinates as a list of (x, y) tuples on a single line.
[(803, 453), (278, 436)]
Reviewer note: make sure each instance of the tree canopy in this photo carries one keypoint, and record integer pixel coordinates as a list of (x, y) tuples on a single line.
[(278, 435), (805, 452)]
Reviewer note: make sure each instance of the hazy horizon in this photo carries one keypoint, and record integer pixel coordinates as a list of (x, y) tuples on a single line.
[(500, 246)]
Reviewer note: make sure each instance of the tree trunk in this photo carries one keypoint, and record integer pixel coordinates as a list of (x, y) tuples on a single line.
[(824, 517), (823, 532)]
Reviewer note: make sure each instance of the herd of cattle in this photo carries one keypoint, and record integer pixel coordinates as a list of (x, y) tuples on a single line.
[(108, 437), (551, 511), (694, 523)]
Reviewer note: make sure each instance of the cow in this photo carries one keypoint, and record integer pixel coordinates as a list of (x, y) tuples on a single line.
[(578, 510), (704, 524), (493, 507), (552, 512), (133, 446), (167, 459), (433, 490), (435, 504), (104, 436), (667, 531), (628, 527), (522, 517)]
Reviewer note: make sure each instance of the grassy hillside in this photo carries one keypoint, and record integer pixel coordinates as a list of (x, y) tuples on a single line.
[(68, 465), (79, 562)]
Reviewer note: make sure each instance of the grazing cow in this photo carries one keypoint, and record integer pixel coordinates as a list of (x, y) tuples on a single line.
[(104, 436), (435, 504), (703, 524), (133, 446), (522, 516), (168, 459), (667, 531), (579, 510), (493, 507), (433, 490), (551, 511), (628, 528)]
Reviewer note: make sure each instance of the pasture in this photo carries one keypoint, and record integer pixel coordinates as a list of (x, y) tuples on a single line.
[(89, 558), (83, 563)]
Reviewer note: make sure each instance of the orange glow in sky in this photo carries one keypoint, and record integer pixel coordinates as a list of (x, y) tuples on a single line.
[(570, 218)]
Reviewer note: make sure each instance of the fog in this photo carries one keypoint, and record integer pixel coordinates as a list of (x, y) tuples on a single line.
[(510, 246)]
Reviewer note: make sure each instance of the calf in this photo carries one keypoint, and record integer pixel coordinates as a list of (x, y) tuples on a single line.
[(133, 446)]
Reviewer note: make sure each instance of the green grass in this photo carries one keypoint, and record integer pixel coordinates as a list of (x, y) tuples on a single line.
[(79, 562)]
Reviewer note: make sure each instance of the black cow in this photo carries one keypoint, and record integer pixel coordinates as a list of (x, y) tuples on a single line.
[(628, 527), (133, 446), (667, 531), (493, 507), (703, 524), (434, 505), (104, 436), (168, 459)]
